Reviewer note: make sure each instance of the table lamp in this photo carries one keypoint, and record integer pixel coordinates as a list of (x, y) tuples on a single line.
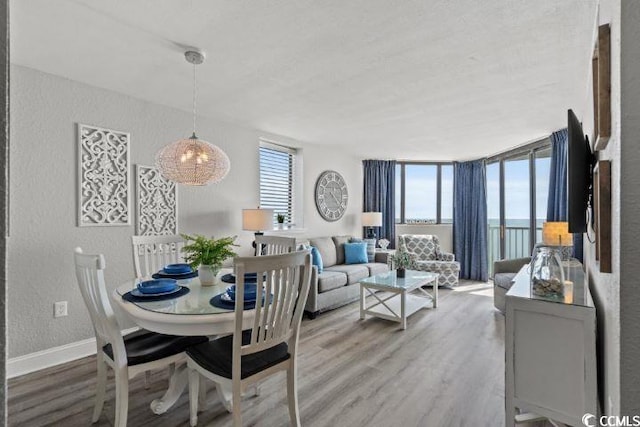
[(556, 233), (370, 220), (257, 220)]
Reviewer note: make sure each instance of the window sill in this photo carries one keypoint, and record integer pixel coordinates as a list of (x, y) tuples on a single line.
[(287, 230)]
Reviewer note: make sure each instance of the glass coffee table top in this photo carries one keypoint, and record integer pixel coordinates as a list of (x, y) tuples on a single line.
[(390, 280)]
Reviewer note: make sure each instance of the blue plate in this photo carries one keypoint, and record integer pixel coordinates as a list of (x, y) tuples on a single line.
[(138, 294), (250, 291), (177, 269), (157, 286)]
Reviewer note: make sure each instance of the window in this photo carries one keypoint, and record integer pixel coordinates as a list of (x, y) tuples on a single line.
[(277, 164), (424, 193), (517, 193)]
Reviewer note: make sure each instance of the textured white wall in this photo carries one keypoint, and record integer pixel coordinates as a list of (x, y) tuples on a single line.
[(617, 294), (630, 219), (44, 113)]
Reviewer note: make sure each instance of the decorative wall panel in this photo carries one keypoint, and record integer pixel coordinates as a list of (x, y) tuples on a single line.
[(157, 203), (104, 177)]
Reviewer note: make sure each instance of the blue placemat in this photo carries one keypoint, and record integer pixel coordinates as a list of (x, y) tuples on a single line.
[(160, 275), (131, 298), (249, 278), (217, 301)]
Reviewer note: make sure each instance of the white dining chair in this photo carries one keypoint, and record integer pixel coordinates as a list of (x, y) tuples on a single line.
[(153, 253), (130, 355), (274, 245), (270, 345)]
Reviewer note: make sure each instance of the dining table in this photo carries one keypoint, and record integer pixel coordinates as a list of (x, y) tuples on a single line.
[(188, 314)]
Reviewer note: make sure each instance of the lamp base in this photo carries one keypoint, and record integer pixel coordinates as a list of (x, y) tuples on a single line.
[(253, 244), (371, 234)]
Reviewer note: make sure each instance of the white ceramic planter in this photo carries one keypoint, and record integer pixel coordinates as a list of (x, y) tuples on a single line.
[(207, 274)]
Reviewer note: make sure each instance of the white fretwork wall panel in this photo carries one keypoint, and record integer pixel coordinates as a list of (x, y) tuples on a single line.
[(104, 177), (157, 203)]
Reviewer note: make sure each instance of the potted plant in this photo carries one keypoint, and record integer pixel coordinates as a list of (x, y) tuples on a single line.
[(401, 261), (280, 218), (207, 255)]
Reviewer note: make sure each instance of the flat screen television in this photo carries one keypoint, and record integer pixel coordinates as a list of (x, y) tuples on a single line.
[(580, 166)]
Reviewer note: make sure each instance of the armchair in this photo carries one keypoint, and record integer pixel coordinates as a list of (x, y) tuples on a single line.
[(426, 256)]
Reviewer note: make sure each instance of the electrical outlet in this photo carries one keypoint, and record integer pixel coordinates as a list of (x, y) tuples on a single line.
[(60, 309)]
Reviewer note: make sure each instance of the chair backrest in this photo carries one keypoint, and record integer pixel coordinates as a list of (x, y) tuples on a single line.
[(152, 253), (426, 247), (274, 245), (281, 297), (90, 275)]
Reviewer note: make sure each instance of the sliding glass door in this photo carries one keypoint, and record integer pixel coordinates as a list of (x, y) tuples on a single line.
[(517, 191), (517, 207)]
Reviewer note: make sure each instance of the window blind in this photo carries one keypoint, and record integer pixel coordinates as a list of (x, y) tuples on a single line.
[(276, 180)]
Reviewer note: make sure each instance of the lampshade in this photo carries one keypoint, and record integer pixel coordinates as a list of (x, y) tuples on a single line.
[(556, 234), (192, 161), (257, 219), (371, 219)]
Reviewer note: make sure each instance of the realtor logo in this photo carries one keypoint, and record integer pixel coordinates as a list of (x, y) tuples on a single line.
[(589, 420)]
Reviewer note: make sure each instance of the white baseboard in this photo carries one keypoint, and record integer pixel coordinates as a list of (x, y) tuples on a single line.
[(53, 356)]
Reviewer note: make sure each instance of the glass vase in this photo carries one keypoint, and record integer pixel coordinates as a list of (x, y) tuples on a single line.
[(547, 275)]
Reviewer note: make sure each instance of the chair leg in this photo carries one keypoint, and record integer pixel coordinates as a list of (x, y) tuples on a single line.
[(194, 385), (202, 397), (122, 397), (101, 387), (292, 394), (236, 404)]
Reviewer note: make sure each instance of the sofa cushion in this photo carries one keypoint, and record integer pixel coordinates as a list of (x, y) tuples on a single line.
[(355, 253), (327, 250), (328, 280), (354, 272), (504, 280), (339, 241), (316, 259), (377, 268)]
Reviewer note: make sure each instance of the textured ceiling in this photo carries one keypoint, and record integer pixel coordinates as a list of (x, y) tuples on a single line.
[(436, 80)]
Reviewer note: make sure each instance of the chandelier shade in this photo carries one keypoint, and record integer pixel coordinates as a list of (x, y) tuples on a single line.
[(192, 161)]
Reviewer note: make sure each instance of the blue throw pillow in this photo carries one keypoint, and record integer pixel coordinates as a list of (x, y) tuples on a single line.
[(316, 259), (355, 253)]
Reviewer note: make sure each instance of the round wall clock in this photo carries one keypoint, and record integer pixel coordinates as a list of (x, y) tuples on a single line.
[(331, 195)]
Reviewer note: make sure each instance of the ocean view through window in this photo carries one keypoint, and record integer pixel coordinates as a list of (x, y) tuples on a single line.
[(517, 192)]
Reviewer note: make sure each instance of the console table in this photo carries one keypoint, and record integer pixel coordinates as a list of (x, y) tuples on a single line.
[(550, 352)]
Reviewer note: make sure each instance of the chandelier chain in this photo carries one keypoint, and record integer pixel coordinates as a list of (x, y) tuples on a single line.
[(194, 98)]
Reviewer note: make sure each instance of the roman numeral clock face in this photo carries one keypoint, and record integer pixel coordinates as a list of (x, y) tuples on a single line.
[(331, 195)]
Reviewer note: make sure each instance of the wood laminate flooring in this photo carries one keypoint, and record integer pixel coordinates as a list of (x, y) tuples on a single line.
[(445, 369)]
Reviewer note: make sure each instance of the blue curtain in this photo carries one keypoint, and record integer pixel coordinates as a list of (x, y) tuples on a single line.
[(470, 219), (557, 202), (380, 195), (558, 197)]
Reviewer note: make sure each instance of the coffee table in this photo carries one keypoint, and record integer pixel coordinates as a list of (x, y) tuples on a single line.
[(402, 297)]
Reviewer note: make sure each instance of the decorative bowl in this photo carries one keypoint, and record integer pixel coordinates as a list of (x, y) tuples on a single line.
[(157, 286), (383, 243), (177, 269)]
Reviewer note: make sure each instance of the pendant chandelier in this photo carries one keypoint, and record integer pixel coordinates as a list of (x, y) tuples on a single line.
[(192, 161)]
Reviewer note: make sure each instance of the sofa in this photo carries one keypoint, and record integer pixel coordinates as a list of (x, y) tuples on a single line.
[(503, 273), (337, 284), (426, 255)]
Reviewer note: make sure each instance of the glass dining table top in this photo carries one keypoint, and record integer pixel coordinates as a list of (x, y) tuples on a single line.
[(194, 302)]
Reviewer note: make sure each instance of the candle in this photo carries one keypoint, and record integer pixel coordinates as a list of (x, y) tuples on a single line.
[(568, 292)]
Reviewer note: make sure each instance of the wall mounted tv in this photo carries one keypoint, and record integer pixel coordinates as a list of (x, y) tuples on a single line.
[(580, 166)]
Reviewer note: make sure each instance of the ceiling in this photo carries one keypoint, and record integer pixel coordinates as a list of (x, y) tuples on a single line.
[(413, 80)]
